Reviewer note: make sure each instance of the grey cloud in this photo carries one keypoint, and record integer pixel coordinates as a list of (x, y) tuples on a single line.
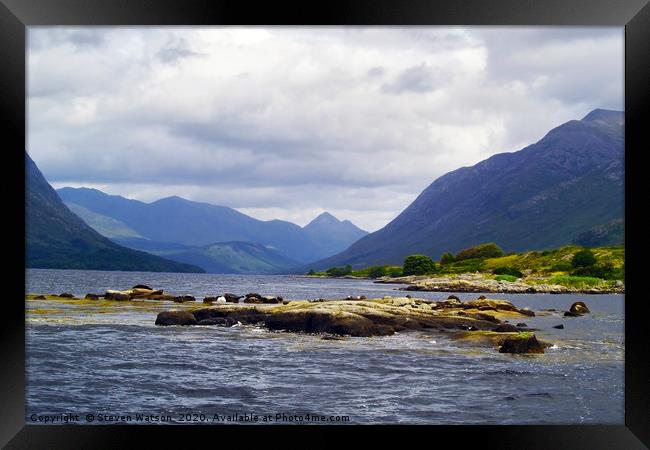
[(419, 78)]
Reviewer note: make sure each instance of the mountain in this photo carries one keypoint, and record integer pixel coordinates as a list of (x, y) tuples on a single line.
[(104, 225), (221, 257), (177, 220), (332, 235), (57, 239), (543, 196)]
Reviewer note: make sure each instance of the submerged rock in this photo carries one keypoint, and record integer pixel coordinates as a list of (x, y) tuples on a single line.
[(175, 318), (523, 343)]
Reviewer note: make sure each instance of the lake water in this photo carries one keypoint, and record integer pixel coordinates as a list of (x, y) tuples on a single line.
[(118, 363)]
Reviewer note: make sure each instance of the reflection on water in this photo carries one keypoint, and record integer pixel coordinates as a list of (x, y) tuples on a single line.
[(113, 360)]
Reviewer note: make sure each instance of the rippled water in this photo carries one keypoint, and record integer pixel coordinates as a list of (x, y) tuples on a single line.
[(116, 362)]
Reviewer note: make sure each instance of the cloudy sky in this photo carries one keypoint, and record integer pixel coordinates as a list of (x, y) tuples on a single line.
[(289, 122)]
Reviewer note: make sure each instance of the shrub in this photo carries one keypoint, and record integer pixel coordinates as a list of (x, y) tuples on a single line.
[(489, 250), (606, 271), (562, 266), (418, 265), (583, 258), (447, 258), (377, 272), (339, 271), (507, 270)]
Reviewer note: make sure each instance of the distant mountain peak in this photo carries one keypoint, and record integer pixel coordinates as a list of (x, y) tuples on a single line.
[(604, 115), (323, 218)]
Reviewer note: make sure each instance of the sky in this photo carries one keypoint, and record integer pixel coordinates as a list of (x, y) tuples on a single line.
[(288, 122)]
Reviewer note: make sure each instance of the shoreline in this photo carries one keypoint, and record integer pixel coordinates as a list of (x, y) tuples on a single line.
[(477, 284)]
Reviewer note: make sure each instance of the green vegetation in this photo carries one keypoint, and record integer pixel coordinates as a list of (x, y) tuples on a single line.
[(339, 271), (575, 282), (418, 265), (507, 270), (447, 258), (489, 250), (509, 278), (584, 258), (570, 266)]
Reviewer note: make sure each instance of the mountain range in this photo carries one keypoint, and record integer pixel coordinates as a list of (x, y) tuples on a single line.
[(216, 238), (545, 195), (56, 238), (566, 188)]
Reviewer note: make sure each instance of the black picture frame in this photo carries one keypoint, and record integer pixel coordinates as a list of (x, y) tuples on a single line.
[(16, 15)]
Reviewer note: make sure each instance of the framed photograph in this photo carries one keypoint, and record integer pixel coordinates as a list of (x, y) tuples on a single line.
[(357, 215)]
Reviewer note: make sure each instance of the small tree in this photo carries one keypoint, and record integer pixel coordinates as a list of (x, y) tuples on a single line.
[(483, 251), (584, 258), (447, 258), (418, 265)]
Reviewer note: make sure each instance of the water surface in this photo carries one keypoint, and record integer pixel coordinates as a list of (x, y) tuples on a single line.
[(116, 362)]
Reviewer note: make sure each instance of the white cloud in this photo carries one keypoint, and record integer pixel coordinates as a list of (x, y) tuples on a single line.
[(287, 122)]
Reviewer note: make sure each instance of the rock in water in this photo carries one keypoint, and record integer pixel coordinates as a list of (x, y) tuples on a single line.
[(116, 295), (559, 327), (522, 344), (184, 298), (571, 314), (66, 295), (92, 296), (142, 286), (579, 308), (218, 321), (232, 298), (175, 318)]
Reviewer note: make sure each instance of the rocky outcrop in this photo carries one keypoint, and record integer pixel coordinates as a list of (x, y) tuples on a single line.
[(377, 317), (579, 307), (469, 282), (522, 343)]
